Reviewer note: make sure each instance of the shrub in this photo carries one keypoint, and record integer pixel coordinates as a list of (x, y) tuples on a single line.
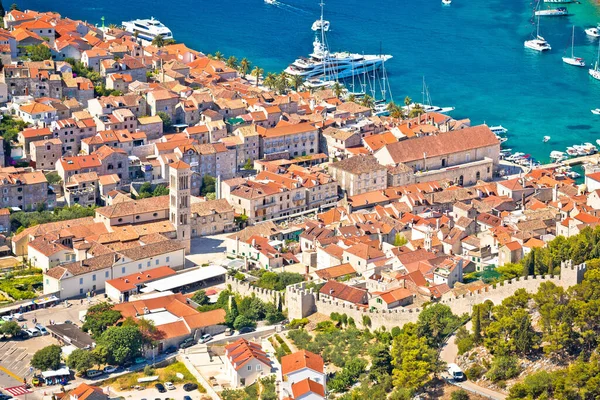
[(503, 367), (298, 323), (475, 372), (460, 394), (148, 370)]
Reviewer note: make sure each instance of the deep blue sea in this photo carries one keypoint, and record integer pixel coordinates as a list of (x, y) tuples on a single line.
[(470, 53)]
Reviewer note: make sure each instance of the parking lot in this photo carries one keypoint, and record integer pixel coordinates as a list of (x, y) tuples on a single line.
[(15, 357), (151, 394)]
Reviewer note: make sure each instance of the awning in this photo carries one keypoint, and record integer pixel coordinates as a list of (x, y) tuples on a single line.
[(59, 372), (186, 278)]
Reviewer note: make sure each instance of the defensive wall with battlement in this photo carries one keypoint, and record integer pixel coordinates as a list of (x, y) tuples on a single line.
[(246, 289), (302, 302)]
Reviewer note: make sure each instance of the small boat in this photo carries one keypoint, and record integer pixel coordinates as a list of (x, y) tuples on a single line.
[(597, 112), (560, 1), (273, 2), (552, 12), (576, 61), (593, 32), (498, 129), (557, 155), (573, 174), (572, 151), (595, 72), (546, 139), (598, 142), (446, 2), (318, 25)]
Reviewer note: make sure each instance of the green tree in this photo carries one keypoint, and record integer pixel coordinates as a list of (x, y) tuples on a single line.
[(257, 73), (412, 357), (243, 322), (436, 322), (208, 185), (459, 394), (200, 297), (503, 368), (270, 81), (510, 271), (2, 11), (231, 312), (476, 323), (123, 343), (297, 82), (14, 7), (158, 41), (166, 120), (10, 328), (47, 358), (394, 110), (249, 165), (338, 89), (416, 110), (400, 240), (53, 178), (232, 62), (81, 360), (244, 66), (367, 101), (218, 56), (37, 52), (99, 317)]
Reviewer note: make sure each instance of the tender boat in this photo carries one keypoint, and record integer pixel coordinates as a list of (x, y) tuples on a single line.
[(593, 32), (576, 61), (147, 29), (572, 151), (552, 12), (597, 112), (446, 2), (270, 1), (546, 139)]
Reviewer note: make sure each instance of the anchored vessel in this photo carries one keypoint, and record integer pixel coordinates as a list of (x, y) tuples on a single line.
[(147, 29)]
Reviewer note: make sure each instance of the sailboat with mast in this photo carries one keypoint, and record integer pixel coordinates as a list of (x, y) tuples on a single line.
[(538, 43), (595, 72), (426, 103), (576, 61)]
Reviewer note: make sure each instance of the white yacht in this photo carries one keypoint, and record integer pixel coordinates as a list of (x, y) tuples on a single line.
[(498, 130), (576, 61), (539, 43), (596, 111), (593, 32), (595, 72), (552, 12), (546, 139), (147, 29), (317, 25), (326, 66), (446, 2)]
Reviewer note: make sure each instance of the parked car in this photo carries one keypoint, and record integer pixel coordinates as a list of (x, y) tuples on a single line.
[(228, 332), (7, 318), (92, 373), (32, 332), (205, 338), (186, 343), (169, 385), (188, 387), (21, 335), (187, 398), (170, 350), (42, 329), (109, 369), (246, 329), (160, 387), (139, 360)]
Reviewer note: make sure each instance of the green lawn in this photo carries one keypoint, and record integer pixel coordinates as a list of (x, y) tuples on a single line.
[(166, 374)]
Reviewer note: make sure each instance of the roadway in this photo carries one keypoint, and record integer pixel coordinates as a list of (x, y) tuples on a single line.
[(448, 354)]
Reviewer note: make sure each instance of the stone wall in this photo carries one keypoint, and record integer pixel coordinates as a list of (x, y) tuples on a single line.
[(302, 302), (245, 289)]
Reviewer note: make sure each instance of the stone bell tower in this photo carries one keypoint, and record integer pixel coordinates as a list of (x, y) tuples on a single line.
[(179, 201)]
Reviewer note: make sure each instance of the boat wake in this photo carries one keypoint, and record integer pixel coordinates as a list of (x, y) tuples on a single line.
[(288, 7)]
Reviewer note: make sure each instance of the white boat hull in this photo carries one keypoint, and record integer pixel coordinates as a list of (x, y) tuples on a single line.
[(537, 45), (595, 73), (593, 32), (576, 61)]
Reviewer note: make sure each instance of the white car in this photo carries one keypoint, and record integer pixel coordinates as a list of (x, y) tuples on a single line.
[(205, 338), (32, 332), (7, 318), (169, 385), (42, 329), (109, 369)]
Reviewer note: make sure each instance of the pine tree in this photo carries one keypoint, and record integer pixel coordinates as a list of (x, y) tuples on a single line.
[(2, 9)]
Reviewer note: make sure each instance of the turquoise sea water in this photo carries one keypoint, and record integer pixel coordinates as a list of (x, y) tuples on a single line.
[(471, 53)]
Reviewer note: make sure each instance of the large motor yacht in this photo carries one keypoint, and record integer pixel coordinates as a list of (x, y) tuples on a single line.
[(148, 29)]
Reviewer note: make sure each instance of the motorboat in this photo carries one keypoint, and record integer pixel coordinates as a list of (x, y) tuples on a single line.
[(597, 112), (318, 25), (272, 2), (552, 12), (593, 32), (147, 29), (546, 139), (538, 43), (498, 130), (332, 66), (573, 174), (576, 61), (446, 2), (557, 155), (572, 152)]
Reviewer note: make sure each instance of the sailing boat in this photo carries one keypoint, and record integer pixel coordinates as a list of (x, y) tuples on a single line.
[(595, 72), (576, 61), (539, 43)]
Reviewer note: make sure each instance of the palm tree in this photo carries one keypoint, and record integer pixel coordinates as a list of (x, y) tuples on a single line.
[(395, 110), (219, 56), (297, 81), (338, 88), (158, 41), (282, 82), (416, 111), (367, 101), (352, 97), (244, 66), (270, 81), (232, 62), (257, 73)]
